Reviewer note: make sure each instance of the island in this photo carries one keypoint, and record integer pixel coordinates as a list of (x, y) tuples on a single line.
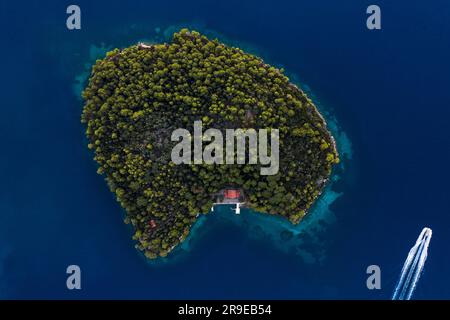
[(137, 96)]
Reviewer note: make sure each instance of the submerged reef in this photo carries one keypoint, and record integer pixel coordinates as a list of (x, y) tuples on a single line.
[(136, 97)]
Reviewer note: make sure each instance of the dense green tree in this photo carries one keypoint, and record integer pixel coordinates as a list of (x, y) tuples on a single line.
[(137, 96)]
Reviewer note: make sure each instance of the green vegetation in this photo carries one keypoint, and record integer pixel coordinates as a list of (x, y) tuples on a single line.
[(137, 96)]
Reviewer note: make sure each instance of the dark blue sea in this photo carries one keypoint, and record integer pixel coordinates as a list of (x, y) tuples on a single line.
[(385, 94)]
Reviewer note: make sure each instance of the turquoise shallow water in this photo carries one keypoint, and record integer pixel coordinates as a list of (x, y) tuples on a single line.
[(387, 91)]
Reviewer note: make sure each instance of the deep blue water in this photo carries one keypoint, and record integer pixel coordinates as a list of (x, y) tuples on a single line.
[(387, 90)]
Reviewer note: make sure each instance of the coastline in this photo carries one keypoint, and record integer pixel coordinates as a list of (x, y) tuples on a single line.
[(326, 182)]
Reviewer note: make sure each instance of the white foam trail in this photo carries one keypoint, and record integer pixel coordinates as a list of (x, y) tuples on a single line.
[(413, 266)]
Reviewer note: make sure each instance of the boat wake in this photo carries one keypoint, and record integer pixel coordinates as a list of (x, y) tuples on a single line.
[(413, 267)]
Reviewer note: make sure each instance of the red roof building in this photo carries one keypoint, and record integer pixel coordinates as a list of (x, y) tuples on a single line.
[(152, 223), (231, 194)]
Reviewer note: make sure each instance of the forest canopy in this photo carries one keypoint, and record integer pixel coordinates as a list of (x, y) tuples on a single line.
[(136, 97)]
